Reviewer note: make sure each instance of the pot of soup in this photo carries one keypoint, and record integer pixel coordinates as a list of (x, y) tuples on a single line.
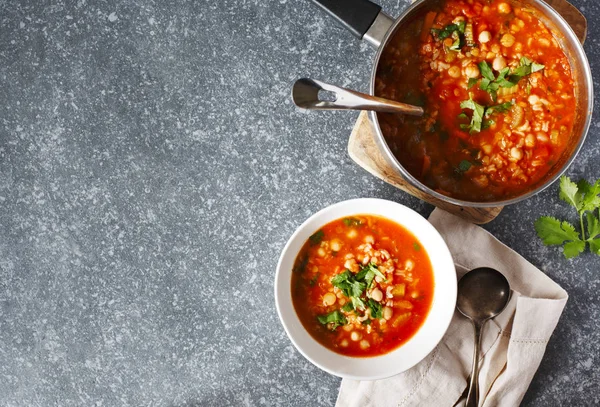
[(505, 86)]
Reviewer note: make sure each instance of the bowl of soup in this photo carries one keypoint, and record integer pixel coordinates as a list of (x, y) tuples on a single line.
[(365, 289)]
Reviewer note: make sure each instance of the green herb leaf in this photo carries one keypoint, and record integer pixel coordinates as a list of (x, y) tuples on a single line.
[(569, 192), (358, 304), (536, 67), (416, 246), (313, 280), (573, 249), (501, 108), (477, 118), (582, 196), (352, 222), (367, 322), (486, 71), (348, 307), (450, 28), (589, 195), (464, 166), (347, 283), (335, 318), (554, 232), (595, 246), (472, 82), (317, 237), (376, 309), (593, 225)]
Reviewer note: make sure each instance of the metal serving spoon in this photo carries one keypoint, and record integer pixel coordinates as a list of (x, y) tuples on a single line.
[(305, 94), (483, 293)]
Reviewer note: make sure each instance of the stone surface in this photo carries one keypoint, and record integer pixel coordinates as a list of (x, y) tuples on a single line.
[(152, 167)]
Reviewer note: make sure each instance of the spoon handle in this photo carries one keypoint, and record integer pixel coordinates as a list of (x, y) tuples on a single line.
[(305, 94), (473, 395)]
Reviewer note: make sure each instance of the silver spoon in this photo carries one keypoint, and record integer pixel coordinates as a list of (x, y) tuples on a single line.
[(305, 94), (483, 293)]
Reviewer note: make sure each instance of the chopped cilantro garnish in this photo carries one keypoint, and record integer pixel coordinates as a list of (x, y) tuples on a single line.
[(476, 119), (479, 113), (316, 237), (348, 284), (416, 246), (347, 307), (376, 308), (351, 222), (335, 318), (450, 28), (464, 166)]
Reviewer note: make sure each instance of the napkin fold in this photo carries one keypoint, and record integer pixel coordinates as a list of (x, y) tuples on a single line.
[(513, 343)]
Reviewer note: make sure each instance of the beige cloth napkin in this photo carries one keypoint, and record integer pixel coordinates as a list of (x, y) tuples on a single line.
[(513, 343)]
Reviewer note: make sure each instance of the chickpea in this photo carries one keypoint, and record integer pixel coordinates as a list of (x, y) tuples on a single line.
[(364, 344), (388, 313), (485, 36), (377, 295), (530, 140), (499, 63), (516, 153), (507, 40), (454, 72), (329, 299), (472, 71), (336, 245), (504, 8), (355, 336), (369, 239)]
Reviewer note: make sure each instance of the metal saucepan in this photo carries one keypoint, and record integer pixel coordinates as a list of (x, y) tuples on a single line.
[(366, 21)]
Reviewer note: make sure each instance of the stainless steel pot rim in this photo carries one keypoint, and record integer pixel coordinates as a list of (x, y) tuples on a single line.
[(580, 54)]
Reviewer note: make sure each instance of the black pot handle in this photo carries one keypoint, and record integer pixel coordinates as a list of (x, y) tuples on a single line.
[(356, 15)]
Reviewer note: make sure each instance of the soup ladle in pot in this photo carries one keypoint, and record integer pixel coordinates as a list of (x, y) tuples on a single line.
[(483, 293), (305, 94)]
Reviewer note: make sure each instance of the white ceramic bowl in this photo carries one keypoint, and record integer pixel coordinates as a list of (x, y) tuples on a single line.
[(426, 338)]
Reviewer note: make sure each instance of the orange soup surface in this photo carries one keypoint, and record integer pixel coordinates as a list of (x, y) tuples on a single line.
[(498, 95), (362, 286)]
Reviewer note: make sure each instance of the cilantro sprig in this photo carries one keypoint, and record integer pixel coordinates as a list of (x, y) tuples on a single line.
[(582, 196), (505, 79), (335, 318), (480, 117), (456, 31), (354, 286)]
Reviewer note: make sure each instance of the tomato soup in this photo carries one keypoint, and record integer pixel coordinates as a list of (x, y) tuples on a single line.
[(362, 286), (497, 91)]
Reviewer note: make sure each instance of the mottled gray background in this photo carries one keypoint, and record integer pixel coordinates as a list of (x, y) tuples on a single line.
[(152, 167)]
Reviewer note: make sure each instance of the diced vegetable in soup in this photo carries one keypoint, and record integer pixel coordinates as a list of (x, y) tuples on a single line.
[(498, 96), (362, 286)]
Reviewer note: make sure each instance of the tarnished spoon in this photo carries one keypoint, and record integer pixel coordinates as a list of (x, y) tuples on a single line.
[(483, 293), (305, 94)]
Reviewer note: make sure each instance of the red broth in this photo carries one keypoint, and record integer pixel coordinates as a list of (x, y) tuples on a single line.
[(498, 95), (362, 286)]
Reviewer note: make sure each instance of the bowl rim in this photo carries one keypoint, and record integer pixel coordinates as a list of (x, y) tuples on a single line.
[(422, 343)]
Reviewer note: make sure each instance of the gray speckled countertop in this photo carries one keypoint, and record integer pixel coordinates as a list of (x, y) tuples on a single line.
[(152, 167)]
